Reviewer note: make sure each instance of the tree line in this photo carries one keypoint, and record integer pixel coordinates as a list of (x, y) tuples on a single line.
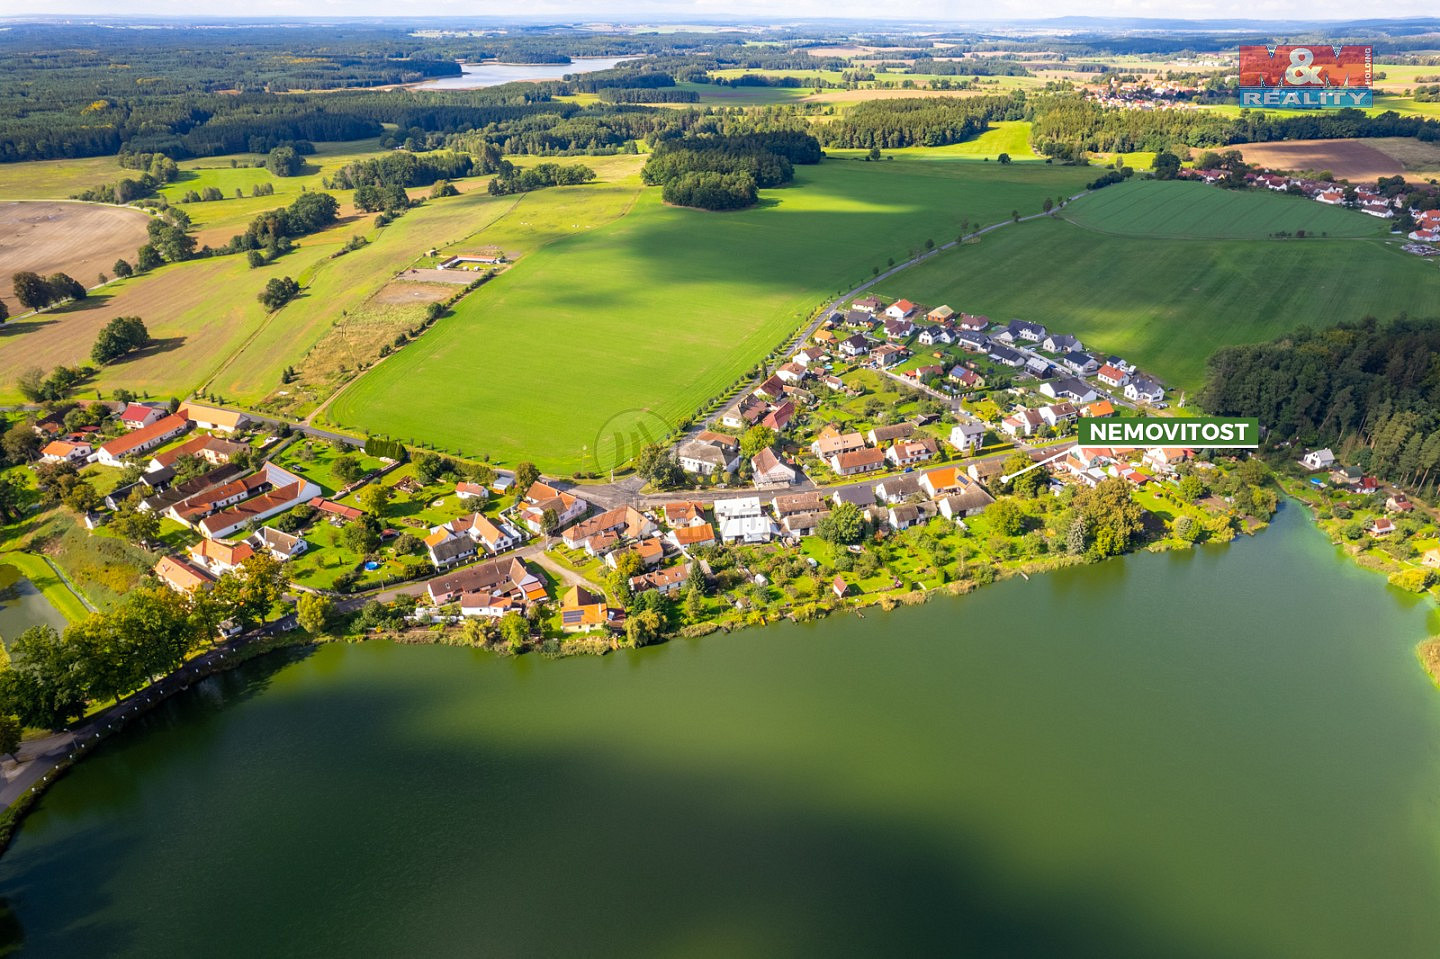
[(1367, 389), (919, 121)]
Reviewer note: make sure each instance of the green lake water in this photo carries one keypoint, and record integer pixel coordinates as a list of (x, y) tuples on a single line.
[(22, 605), (1229, 752)]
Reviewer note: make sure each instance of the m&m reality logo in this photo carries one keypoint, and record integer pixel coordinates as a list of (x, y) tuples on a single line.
[(1306, 77)]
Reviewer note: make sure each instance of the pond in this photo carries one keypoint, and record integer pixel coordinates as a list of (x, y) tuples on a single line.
[(22, 605), (1228, 752)]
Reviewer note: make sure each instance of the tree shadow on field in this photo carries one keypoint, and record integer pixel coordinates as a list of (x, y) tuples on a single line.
[(92, 301), (27, 325), (156, 346)]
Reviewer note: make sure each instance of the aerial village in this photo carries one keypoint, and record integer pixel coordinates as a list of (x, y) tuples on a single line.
[(863, 468)]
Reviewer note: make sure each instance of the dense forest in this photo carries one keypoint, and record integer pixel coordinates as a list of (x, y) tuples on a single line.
[(723, 171), (922, 121), (1370, 390)]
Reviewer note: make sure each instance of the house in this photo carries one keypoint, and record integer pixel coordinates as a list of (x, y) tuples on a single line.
[(833, 382), (1023, 423), (1039, 368), (1331, 197), (1163, 458), (881, 435), (897, 488), (683, 513), (138, 415), (541, 497), (1070, 388), (889, 354), (798, 503), (182, 576), (1112, 377), (743, 412), (278, 543), (777, 419), (803, 524), (1431, 558), (966, 379), (686, 538), (772, 389), (1318, 459), (1081, 364), (792, 373), (1377, 208), (923, 374), (869, 304), (1141, 389), (336, 512), (855, 345), (861, 496), (968, 437), (809, 355), (648, 551), (983, 471), (912, 451), (1005, 356), (1398, 503), (1100, 410), (900, 310), (62, 451), (494, 537), (1060, 343), (865, 460), (947, 479), (211, 449), (280, 490), (626, 522), (508, 577), (744, 520), (936, 335), (1024, 330), (663, 581), (830, 442), (858, 320), (167, 495), (840, 587), (582, 610), (1133, 476), (218, 557), (210, 418), (767, 470), (966, 502), (466, 490), (1058, 413), (487, 605), (1381, 526), (974, 342), (973, 323), (1346, 475), (941, 314), (142, 440), (707, 459)]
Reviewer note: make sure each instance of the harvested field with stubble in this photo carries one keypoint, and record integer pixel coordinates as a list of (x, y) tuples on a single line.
[(57, 236), (1354, 160)]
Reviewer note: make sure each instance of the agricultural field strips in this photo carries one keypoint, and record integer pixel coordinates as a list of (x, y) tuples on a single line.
[(1180, 210), (1168, 304), (651, 316)]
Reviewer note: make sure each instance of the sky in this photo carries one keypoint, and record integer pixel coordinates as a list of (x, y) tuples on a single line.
[(632, 10)]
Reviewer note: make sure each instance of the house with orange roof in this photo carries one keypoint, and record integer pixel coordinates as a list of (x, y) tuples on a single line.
[(143, 440), (663, 581), (220, 557), (487, 605), (211, 449), (466, 490), (683, 513), (582, 610), (542, 496), (685, 538), (181, 576), (900, 310), (865, 460), (649, 552), (946, 479), (213, 418), (626, 522), (64, 451), (1100, 409)]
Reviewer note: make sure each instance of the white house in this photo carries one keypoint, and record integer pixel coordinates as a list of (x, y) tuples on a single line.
[(1144, 390), (744, 520), (705, 458), (1318, 459), (967, 437), (1112, 377), (768, 469), (900, 310)]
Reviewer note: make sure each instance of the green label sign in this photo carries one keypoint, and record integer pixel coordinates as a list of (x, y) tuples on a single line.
[(1206, 432)]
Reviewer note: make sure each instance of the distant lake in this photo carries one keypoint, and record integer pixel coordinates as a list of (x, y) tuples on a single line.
[(478, 75)]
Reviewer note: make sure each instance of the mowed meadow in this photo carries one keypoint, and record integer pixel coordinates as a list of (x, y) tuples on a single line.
[(657, 312), (1168, 303)]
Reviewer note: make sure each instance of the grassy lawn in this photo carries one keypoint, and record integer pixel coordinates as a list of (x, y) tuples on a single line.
[(57, 179), (101, 566), (1180, 210), (314, 460), (602, 334), (1166, 305)]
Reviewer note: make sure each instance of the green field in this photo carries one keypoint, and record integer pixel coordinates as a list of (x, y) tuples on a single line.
[(1167, 304), (1004, 136), (1182, 210), (652, 315)]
